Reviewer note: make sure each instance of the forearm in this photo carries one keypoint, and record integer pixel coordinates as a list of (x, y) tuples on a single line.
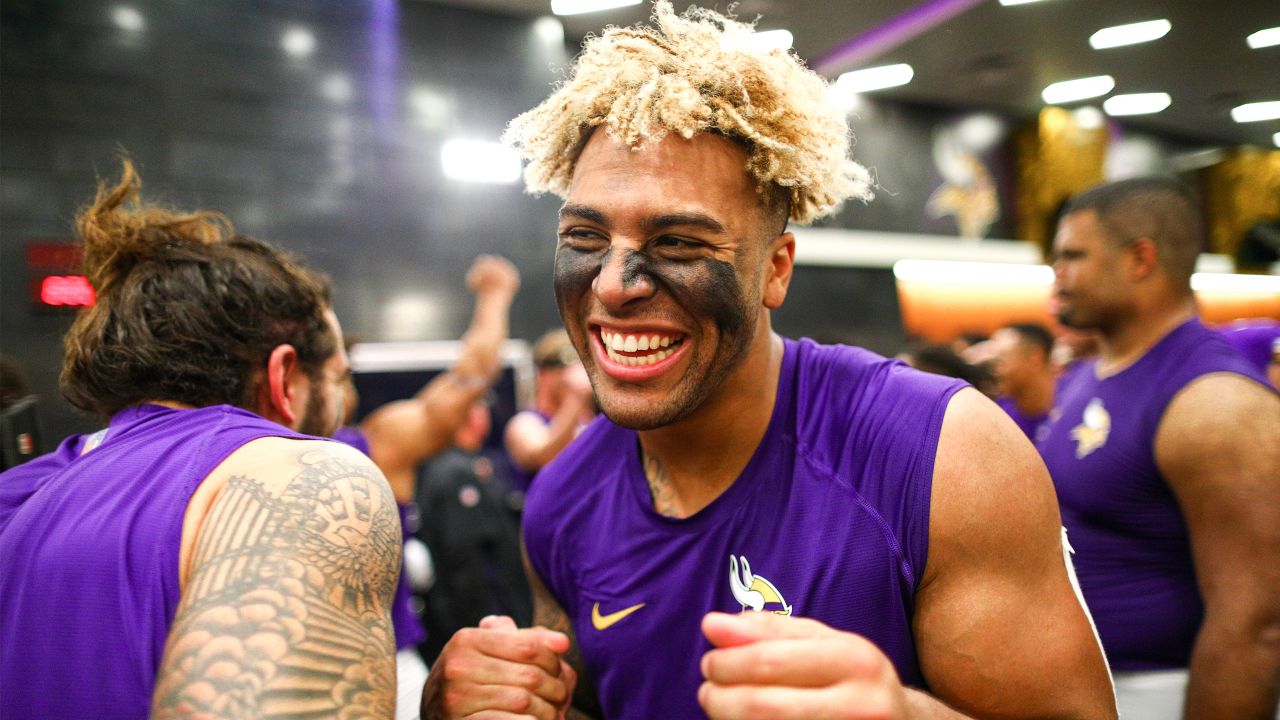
[(482, 342), (1234, 674), (923, 706)]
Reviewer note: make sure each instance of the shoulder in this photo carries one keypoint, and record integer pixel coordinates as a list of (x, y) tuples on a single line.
[(986, 468), (1221, 413), (569, 483)]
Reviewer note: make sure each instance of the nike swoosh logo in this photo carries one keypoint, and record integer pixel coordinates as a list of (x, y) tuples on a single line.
[(604, 622)]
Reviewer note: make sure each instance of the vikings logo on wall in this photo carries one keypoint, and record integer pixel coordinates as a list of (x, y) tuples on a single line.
[(1093, 429), (753, 591)]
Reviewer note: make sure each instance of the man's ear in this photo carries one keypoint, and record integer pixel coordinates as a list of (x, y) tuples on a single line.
[(1143, 258), (280, 399), (782, 261)]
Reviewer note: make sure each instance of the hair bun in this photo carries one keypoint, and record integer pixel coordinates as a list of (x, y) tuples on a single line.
[(119, 231)]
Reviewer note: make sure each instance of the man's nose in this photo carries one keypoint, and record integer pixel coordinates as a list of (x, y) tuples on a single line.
[(623, 279)]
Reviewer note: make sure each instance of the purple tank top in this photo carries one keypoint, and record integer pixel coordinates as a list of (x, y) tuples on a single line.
[(1132, 554), (409, 631), (829, 520), (89, 547)]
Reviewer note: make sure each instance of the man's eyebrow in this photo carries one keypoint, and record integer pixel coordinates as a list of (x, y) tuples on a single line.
[(706, 222), (582, 211), (651, 224)]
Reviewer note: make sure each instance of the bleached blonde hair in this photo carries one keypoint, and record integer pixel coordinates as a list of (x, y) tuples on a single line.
[(697, 73)]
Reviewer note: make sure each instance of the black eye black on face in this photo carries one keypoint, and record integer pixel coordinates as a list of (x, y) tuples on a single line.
[(701, 285)]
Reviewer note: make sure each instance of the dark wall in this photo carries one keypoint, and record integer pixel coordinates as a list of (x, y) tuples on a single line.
[(335, 155)]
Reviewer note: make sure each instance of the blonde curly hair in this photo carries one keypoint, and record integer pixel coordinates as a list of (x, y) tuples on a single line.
[(697, 73)]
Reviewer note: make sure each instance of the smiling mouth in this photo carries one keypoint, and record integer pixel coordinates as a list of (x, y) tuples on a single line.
[(639, 349)]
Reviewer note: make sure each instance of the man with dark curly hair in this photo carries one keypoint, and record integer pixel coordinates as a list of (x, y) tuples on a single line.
[(204, 555)]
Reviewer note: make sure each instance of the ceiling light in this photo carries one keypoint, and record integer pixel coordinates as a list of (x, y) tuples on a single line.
[(1276, 139), (577, 7), (770, 40), (298, 42), (549, 30), (1078, 89), (479, 161), (1017, 2), (1264, 38), (1130, 34), (876, 78), (1087, 117), (1227, 282), (128, 18), (1253, 112), (1136, 103)]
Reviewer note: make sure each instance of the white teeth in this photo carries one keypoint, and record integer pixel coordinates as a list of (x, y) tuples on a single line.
[(653, 342), (666, 341), (643, 343), (630, 345), (616, 341)]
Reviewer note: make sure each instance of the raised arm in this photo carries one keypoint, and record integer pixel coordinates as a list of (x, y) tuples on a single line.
[(531, 443), (286, 597), (999, 629), (1219, 447), (404, 433)]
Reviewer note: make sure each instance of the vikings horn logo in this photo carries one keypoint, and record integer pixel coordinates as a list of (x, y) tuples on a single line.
[(1093, 429), (753, 591)]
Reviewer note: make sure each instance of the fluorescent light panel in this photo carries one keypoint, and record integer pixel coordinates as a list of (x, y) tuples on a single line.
[(950, 272), (1257, 111), (1078, 89), (298, 41), (479, 161), (1264, 38), (1130, 34), (1017, 2), (875, 78), (1136, 103), (577, 7)]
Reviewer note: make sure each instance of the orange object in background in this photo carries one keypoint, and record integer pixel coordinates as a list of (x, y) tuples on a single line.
[(940, 301)]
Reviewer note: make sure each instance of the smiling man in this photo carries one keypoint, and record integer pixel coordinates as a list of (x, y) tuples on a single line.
[(759, 527)]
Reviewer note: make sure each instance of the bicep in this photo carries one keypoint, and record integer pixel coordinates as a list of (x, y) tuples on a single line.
[(525, 437), (287, 608), (1218, 445), (998, 623)]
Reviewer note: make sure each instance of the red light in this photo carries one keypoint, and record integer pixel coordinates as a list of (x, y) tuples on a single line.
[(66, 290)]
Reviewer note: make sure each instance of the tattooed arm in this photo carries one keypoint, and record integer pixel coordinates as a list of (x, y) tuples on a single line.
[(547, 613), (286, 602)]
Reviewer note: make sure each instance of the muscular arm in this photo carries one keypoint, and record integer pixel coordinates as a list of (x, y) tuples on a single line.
[(532, 444), (1219, 447), (286, 607), (999, 629), (404, 433), (548, 613)]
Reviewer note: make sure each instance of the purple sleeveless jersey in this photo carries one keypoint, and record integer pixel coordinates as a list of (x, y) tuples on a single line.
[(1132, 553), (829, 520), (409, 632), (89, 546)]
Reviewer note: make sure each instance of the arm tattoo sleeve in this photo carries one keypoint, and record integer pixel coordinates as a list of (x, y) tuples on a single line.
[(287, 609), (547, 613)]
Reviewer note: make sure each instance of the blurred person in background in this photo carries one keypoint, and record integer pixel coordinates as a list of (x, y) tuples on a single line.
[(206, 554), (942, 360), (1024, 374), (738, 477), (562, 407), (1165, 450), (470, 518), (1071, 346), (399, 436), (1258, 341), (19, 427)]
